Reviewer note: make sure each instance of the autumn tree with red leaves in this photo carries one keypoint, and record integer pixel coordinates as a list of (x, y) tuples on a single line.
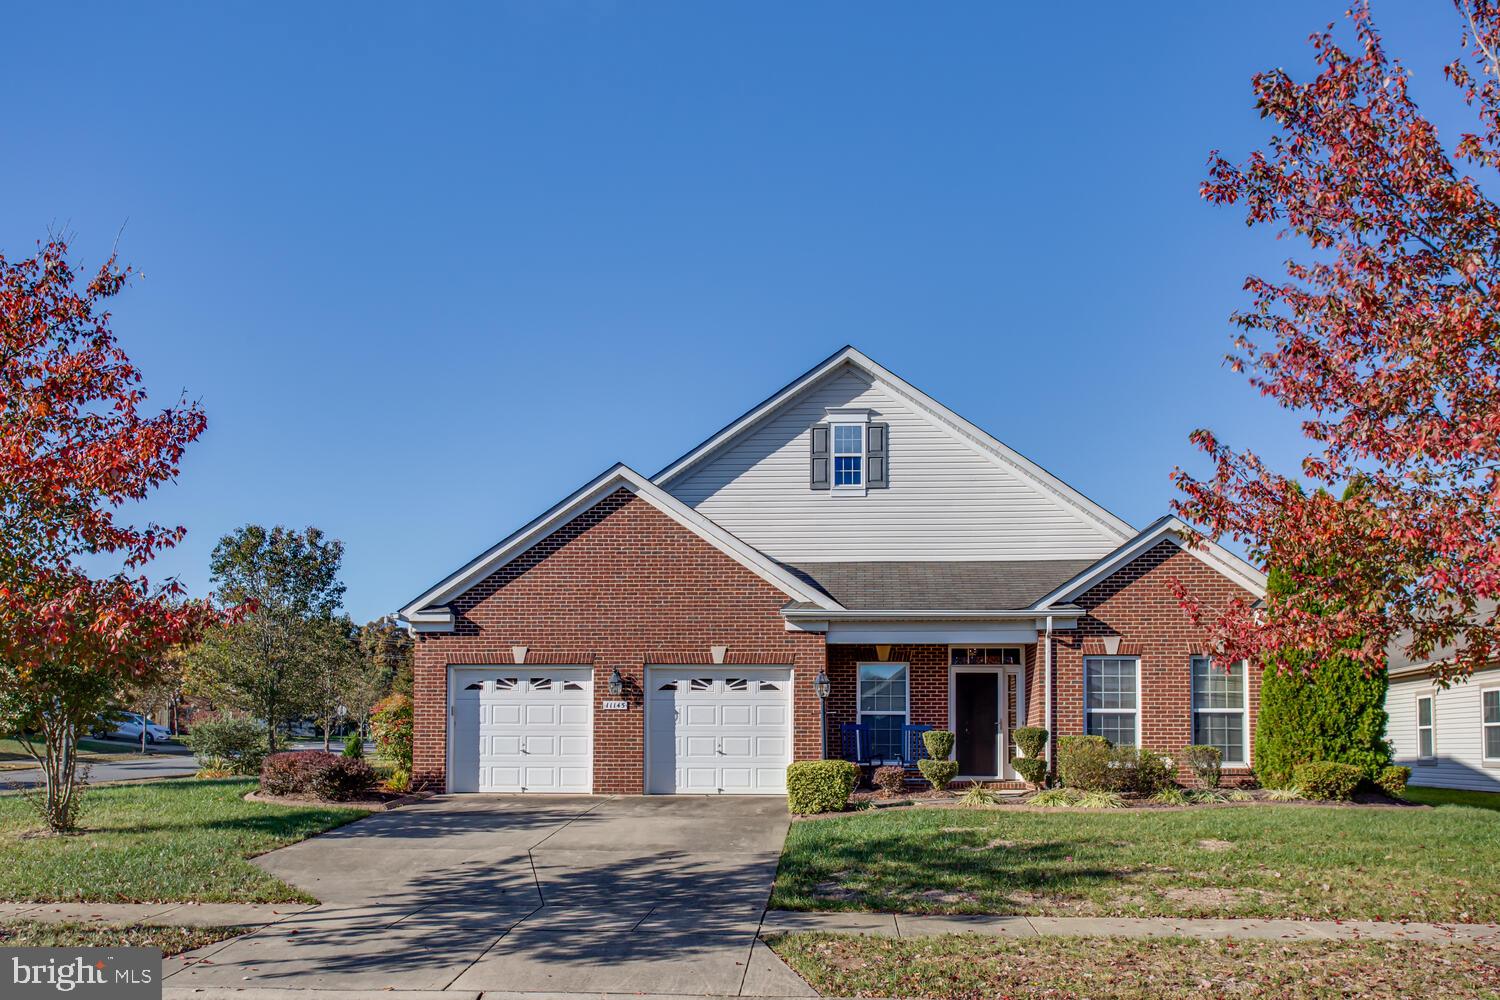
[(1385, 336), (77, 445)]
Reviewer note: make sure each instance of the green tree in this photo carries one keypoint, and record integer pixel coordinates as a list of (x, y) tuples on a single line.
[(389, 648), (267, 663)]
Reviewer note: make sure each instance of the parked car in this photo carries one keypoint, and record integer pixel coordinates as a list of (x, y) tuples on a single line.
[(127, 726)]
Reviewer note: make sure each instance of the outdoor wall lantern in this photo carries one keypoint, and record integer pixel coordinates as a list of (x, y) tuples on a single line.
[(823, 686), (616, 683)]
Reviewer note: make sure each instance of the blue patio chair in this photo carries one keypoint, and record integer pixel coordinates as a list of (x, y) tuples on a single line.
[(913, 748), (855, 744)]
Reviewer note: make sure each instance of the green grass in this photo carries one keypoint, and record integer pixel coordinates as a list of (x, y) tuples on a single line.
[(157, 841), (1453, 797), (171, 940), (1248, 861), (973, 966)]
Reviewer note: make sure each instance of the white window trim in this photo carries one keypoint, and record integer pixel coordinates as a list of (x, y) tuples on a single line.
[(1243, 711), (848, 489), (859, 686), (1483, 743), (1431, 727), (1139, 695)]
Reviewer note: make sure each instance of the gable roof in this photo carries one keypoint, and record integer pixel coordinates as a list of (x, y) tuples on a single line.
[(1167, 528), (429, 609), (983, 442)]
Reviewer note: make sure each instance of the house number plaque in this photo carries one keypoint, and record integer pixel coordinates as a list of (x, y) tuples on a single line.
[(618, 705)]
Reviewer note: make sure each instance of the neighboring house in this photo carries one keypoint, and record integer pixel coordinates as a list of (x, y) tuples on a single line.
[(1449, 737), (665, 634)]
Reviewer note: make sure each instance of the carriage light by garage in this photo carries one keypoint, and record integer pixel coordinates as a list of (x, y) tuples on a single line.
[(616, 683), (822, 685)]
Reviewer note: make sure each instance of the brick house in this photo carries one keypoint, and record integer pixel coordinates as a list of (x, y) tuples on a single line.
[(666, 634)]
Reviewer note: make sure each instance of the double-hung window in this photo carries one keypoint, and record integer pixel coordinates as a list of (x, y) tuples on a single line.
[(882, 706), (1489, 698), (1426, 729), (848, 455), (1112, 698), (1219, 716)]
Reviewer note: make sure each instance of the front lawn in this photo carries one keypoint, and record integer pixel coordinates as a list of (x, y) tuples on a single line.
[(974, 966), (171, 940), (1244, 861), (160, 841), (1453, 797)]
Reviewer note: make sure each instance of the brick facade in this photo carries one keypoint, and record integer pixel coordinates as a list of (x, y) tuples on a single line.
[(1136, 605), (624, 586), (621, 586)]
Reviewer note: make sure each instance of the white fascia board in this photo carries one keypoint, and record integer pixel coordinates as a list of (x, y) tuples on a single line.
[(952, 633), (815, 614), (1167, 528), (976, 437), (423, 611)]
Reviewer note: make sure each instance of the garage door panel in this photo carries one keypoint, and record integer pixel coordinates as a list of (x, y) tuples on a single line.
[(718, 730), (737, 715), (513, 733)]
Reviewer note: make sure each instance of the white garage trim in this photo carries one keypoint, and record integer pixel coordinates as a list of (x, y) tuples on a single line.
[(540, 722), (763, 773)]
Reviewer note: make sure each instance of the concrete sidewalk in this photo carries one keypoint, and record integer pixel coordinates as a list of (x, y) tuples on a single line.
[(911, 925), (789, 921)]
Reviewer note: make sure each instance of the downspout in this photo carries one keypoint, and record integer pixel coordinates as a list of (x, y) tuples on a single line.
[(1047, 687)]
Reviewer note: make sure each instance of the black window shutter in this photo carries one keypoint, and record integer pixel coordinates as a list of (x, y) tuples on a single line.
[(877, 456), (820, 478)]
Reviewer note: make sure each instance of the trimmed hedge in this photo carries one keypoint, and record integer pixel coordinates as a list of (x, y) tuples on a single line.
[(1031, 740), (1327, 779), (1083, 762), (314, 772), (819, 786), (1033, 770), (938, 772), (1139, 771), (1393, 781), (939, 743)]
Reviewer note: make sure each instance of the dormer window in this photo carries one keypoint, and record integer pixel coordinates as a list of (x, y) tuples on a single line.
[(848, 456), (849, 453)]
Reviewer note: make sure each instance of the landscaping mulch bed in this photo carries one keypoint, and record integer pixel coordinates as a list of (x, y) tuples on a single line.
[(1011, 799)]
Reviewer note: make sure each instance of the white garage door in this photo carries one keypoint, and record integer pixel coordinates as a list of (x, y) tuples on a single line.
[(513, 729), (712, 730)]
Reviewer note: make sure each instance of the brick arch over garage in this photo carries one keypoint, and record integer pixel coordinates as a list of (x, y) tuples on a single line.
[(619, 587)]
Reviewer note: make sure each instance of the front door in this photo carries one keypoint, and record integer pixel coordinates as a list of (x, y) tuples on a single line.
[(976, 705)]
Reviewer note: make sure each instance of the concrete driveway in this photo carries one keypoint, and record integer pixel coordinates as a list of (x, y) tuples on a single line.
[(525, 893)]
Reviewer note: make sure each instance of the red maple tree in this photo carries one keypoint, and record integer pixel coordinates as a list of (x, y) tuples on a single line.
[(1384, 336), (77, 446)]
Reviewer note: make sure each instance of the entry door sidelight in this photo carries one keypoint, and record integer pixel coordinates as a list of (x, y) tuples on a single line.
[(976, 706)]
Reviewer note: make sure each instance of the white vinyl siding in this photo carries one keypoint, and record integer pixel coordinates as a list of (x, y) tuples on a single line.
[(945, 499), (1220, 696), (1111, 700), (1460, 735)]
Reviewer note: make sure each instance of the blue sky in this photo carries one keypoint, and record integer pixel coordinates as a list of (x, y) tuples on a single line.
[(430, 268)]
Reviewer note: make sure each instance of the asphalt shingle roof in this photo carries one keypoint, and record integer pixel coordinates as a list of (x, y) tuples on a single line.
[(934, 586)]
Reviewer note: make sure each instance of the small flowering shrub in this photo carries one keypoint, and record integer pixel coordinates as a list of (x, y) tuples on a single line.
[(890, 779)]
